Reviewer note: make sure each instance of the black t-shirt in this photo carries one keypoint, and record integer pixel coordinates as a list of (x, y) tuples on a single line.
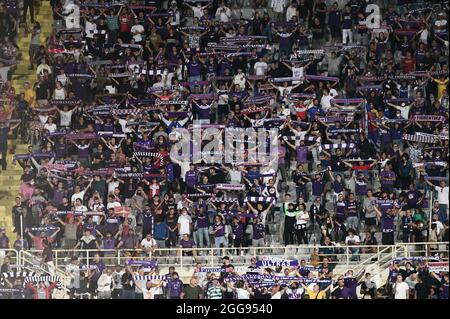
[(42, 91), (422, 290)]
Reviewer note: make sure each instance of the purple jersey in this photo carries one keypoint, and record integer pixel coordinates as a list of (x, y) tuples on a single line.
[(360, 188), (302, 153), (219, 230), (191, 178), (258, 231), (238, 230), (317, 187)]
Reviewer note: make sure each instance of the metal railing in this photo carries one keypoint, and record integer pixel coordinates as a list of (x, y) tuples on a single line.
[(32, 260), (13, 254), (353, 257)]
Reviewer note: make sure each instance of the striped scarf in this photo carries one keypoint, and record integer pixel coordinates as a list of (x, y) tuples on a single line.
[(330, 119), (126, 111), (419, 138), (148, 154), (148, 277), (159, 103), (36, 279), (15, 274), (336, 146), (224, 200), (369, 87), (259, 199), (41, 229), (302, 138)]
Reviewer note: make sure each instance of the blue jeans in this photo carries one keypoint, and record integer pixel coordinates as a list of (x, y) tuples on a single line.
[(127, 294), (352, 222), (202, 235), (220, 240)]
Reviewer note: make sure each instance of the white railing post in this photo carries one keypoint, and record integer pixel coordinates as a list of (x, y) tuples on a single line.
[(87, 258), (346, 256), (212, 256), (56, 258), (181, 257), (118, 256)]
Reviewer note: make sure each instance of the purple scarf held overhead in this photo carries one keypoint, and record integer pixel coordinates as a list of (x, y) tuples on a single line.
[(81, 136)]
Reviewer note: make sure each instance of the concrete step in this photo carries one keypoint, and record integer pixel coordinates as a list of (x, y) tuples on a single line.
[(10, 179)]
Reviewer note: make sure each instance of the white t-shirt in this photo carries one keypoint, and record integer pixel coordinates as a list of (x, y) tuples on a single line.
[(198, 12), (113, 205), (137, 36), (62, 78), (277, 295), (355, 239), (260, 68), (79, 195), (290, 12), (224, 14), (235, 176), (90, 28), (240, 80), (148, 243), (112, 186), (184, 221), (400, 290), (242, 293), (123, 124), (50, 127), (442, 194), (325, 102), (65, 117), (297, 72)]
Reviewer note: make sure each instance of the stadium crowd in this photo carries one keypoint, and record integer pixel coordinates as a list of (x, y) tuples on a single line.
[(360, 102)]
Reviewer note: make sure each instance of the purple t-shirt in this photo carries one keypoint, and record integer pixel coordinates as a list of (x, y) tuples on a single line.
[(258, 231), (338, 187), (360, 188), (302, 153), (340, 208), (387, 223), (351, 208), (191, 178), (385, 174), (412, 197), (194, 68), (220, 230), (187, 243), (58, 196), (317, 187), (202, 221), (238, 230), (109, 243), (175, 287)]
